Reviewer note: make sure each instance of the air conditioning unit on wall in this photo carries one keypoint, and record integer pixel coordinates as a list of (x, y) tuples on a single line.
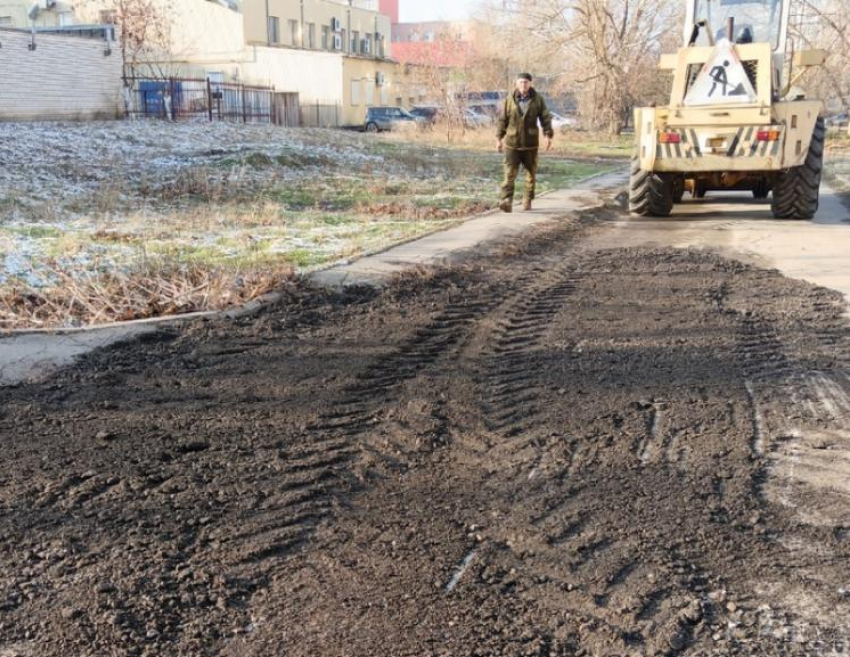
[(379, 79), (336, 25), (337, 42)]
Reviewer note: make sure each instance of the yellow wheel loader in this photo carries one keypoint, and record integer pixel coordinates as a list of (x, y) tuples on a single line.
[(736, 120)]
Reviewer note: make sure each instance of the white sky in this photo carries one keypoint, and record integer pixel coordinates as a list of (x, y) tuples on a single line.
[(414, 11)]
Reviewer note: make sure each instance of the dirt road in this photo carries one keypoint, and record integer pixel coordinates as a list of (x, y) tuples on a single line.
[(553, 450)]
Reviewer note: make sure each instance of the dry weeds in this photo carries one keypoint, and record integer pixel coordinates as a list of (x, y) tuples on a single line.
[(156, 289), (567, 143)]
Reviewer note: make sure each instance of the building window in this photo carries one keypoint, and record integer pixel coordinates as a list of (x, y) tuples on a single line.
[(367, 44), (293, 33), (326, 37), (311, 36), (274, 29), (6, 20), (370, 93), (355, 93), (355, 45)]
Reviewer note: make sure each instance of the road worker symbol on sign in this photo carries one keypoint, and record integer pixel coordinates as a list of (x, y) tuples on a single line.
[(722, 80), (718, 74)]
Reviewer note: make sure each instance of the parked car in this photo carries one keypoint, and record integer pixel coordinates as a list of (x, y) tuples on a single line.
[(473, 119), (429, 115), (838, 120), (390, 118), (490, 110), (563, 123)]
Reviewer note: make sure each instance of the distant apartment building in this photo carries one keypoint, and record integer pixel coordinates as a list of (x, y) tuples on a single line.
[(434, 43), (356, 32), (50, 13), (336, 54), (351, 28), (429, 32)]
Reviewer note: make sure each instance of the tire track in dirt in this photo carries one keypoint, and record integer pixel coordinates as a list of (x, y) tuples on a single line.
[(800, 440), (321, 463), (559, 458), (513, 407), (601, 578), (764, 364), (636, 597)]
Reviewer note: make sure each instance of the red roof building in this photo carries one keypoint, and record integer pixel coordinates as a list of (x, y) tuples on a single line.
[(389, 8), (450, 54)]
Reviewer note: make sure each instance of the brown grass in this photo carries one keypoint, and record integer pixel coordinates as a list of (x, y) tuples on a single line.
[(567, 143), (418, 212), (154, 290)]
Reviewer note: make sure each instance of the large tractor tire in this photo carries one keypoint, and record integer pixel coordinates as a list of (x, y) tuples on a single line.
[(650, 194), (796, 193)]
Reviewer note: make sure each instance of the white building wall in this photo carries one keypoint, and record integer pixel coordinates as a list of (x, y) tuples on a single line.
[(63, 78), (202, 30), (199, 33), (15, 13), (316, 76)]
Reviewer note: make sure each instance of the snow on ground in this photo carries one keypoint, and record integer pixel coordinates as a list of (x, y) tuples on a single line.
[(57, 163), (85, 199), (80, 193)]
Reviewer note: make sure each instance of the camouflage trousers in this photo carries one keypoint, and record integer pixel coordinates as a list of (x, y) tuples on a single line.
[(513, 160)]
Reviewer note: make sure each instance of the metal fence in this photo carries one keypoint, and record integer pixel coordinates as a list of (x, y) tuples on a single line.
[(180, 99), (321, 115), (287, 109)]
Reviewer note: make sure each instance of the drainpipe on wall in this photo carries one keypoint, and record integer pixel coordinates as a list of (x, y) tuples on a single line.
[(347, 44), (268, 35), (302, 24)]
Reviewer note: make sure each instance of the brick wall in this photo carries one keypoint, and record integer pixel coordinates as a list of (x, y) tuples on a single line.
[(63, 78)]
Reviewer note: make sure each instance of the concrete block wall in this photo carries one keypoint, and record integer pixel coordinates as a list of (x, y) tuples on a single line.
[(63, 78)]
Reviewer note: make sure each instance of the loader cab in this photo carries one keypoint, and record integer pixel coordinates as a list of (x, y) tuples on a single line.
[(756, 21), (760, 35)]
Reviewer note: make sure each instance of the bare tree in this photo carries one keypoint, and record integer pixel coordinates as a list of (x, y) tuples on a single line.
[(144, 32), (604, 51), (444, 74), (826, 24)]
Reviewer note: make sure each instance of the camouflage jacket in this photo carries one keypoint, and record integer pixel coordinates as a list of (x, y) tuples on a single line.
[(520, 131)]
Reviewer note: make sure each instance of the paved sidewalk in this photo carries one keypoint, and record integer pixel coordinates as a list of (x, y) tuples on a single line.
[(446, 246), (31, 356)]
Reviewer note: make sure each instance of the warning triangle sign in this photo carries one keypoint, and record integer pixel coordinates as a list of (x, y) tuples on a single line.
[(722, 80)]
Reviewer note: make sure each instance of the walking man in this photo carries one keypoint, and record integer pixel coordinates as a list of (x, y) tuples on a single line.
[(519, 137)]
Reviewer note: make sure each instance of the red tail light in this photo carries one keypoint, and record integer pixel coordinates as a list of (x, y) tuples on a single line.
[(670, 138), (768, 135)]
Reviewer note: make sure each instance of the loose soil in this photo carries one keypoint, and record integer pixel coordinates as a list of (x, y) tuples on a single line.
[(544, 452)]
